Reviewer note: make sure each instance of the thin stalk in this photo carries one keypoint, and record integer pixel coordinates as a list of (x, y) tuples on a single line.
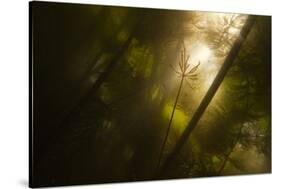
[(170, 123)]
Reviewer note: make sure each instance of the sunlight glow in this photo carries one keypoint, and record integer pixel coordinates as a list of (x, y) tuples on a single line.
[(233, 31), (201, 53), (204, 46)]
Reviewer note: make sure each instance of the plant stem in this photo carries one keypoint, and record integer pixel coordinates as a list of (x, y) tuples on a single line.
[(170, 123)]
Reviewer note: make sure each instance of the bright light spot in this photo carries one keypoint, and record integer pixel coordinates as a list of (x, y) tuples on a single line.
[(209, 66), (203, 53), (233, 31), (200, 53)]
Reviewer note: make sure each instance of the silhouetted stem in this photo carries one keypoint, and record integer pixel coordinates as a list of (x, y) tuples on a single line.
[(169, 126)]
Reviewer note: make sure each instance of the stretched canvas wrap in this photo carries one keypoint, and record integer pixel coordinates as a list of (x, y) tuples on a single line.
[(123, 94)]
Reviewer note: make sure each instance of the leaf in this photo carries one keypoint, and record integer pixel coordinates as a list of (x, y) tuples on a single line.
[(193, 75), (194, 68), (186, 65), (193, 78), (181, 66)]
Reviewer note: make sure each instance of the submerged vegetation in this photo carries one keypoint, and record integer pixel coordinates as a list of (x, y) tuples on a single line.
[(116, 89)]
